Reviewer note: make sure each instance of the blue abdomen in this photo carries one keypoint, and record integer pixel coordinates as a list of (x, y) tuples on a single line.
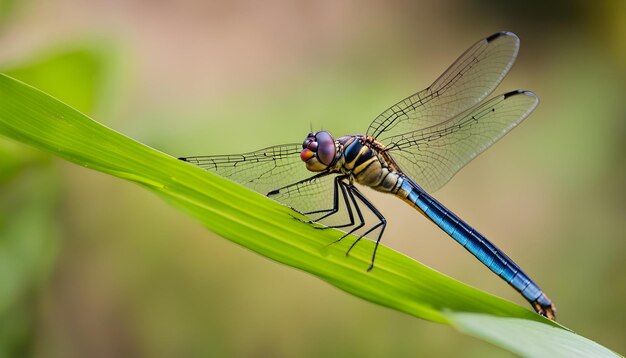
[(472, 240)]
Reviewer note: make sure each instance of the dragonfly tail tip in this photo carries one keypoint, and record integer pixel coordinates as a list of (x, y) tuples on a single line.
[(546, 309)]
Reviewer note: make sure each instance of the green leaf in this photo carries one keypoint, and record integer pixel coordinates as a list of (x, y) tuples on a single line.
[(258, 223), (528, 338)]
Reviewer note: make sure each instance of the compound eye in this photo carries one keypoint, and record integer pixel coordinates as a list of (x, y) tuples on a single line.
[(312, 146), (325, 147)]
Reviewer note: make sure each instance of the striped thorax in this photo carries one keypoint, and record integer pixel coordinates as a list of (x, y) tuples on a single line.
[(365, 160)]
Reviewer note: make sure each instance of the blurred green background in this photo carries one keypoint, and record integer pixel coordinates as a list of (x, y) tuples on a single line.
[(94, 266)]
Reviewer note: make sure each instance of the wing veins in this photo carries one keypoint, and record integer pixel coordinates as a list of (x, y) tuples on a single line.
[(494, 56)]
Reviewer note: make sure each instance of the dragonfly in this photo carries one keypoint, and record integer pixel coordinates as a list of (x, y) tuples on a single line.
[(409, 150)]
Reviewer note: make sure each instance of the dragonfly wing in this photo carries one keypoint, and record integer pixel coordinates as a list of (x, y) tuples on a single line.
[(431, 156), (470, 79), (277, 172)]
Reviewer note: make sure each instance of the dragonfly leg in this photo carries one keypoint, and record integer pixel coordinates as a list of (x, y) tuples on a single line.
[(327, 212), (382, 223), (346, 189), (339, 185)]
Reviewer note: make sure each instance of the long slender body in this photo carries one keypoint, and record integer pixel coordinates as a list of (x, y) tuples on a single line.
[(367, 162)]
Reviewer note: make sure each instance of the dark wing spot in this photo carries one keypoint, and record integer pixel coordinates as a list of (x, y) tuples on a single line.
[(512, 93), (496, 35)]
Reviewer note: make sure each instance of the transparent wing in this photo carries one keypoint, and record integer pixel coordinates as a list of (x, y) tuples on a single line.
[(276, 172), (470, 79), (431, 156)]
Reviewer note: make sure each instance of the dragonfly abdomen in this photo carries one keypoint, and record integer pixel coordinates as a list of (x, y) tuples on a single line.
[(474, 242)]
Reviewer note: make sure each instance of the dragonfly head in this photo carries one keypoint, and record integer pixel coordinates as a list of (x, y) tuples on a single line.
[(318, 151)]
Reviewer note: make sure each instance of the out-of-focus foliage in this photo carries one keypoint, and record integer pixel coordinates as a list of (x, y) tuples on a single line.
[(7, 7), (29, 239), (75, 73)]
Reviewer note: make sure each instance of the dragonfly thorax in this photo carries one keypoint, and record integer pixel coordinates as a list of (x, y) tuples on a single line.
[(365, 160)]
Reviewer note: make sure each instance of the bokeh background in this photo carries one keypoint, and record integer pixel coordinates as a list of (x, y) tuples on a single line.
[(94, 266)]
